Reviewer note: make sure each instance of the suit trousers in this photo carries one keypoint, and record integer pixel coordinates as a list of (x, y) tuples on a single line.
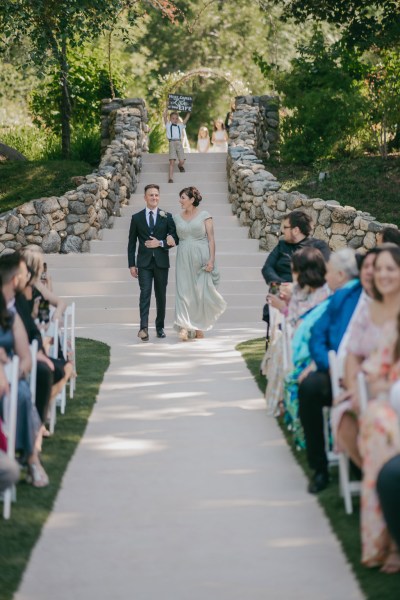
[(146, 276), (388, 488), (315, 392)]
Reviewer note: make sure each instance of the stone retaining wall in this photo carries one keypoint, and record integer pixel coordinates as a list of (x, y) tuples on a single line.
[(68, 223), (256, 194)]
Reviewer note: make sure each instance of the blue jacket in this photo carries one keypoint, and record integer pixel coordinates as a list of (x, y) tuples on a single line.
[(328, 331)]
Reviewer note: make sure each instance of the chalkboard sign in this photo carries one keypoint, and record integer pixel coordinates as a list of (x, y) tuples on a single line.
[(180, 103)]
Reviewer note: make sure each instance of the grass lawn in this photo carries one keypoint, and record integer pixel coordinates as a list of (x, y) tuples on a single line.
[(368, 183), (375, 585), (28, 515), (23, 181)]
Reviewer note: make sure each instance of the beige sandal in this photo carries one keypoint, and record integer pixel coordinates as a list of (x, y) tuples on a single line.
[(183, 334)]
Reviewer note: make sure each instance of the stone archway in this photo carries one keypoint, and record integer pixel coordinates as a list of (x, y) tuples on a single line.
[(170, 82)]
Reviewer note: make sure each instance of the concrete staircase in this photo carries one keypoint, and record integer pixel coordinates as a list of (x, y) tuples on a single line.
[(100, 282)]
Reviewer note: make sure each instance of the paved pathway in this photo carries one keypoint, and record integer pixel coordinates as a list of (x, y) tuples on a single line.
[(182, 487)]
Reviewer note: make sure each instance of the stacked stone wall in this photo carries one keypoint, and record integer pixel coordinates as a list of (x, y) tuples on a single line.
[(256, 195), (67, 223)]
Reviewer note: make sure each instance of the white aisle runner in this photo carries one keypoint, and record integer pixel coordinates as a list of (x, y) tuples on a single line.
[(182, 488)]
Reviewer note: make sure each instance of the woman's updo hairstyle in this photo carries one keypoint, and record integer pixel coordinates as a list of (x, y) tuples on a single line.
[(192, 193)]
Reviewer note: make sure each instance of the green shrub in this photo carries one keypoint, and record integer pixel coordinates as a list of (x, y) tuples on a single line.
[(89, 84), (324, 100)]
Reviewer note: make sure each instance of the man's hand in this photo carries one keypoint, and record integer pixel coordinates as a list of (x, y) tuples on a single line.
[(152, 243), (134, 272), (170, 241)]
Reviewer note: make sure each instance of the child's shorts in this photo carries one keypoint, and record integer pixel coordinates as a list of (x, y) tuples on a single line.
[(176, 150)]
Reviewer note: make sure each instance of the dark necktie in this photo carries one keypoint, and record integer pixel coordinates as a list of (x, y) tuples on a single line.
[(151, 221)]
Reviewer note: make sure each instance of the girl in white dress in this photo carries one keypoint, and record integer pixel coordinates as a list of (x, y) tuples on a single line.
[(219, 137), (203, 140)]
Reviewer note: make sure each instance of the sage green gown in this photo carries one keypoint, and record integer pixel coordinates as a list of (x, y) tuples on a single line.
[(198, 304)]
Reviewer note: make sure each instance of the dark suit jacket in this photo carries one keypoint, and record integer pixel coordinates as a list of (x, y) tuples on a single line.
[(139, 233)]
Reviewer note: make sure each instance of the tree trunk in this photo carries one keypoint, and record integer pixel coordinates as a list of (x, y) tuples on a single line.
[(110, 77), (65, 105)]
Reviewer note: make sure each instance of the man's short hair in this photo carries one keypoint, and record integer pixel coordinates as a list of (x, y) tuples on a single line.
[(151, 185), (9, 266), (391, 235), (300, 219)]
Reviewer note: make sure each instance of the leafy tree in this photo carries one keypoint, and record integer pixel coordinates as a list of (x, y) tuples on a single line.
[(363, 23), (54, 26), (325, 103), (88, 84), (383, 92)]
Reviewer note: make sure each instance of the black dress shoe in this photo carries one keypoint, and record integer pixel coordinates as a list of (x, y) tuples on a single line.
[(144, 334), (318, 483), (161, 333)]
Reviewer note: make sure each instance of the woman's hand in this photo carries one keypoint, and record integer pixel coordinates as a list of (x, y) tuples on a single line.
[(4, 386), (276, 302), (285, 291), (209, 266), (170, 241), (306, 371), (3, 357), (43, 358)]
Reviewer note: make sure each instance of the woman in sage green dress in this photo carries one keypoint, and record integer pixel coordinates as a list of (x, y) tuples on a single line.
[(198, 304)]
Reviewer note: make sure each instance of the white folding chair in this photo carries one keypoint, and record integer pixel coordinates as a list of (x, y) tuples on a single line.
[(33, 376), (69, 352), (54, 354), (10, 426), (347, 487)]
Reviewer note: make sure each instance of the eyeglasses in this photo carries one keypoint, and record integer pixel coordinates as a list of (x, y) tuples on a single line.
[(287, 227)]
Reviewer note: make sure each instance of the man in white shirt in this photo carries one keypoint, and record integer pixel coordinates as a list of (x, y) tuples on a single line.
[(175, 131)]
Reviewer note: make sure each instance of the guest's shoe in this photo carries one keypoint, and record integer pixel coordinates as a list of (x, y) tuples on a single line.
[(318, 483), (170, 180), (144, 334), (161, 333), (182, 169)]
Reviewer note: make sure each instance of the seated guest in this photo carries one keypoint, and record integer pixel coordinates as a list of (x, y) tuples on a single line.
[(296, 230), (15, 275), (365, 333), (327, 334), (36, 292), (13, 339), (378, 442), (309, 289), (389, 235), (308, 269)]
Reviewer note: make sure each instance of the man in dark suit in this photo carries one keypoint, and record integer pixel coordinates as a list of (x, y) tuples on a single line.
[(150, 229)]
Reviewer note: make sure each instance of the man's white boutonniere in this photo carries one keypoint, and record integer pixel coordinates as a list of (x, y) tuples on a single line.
[(163, 214)]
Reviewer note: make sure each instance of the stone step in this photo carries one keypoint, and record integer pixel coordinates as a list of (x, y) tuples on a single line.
[(113, 245), (74, 289), (215, 170), (219, 209), (71, 275), (222, 233), (131, 300), (200, 159), (172, 199), (250, 313), (191, 176), (112, 261), (182, 180)]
